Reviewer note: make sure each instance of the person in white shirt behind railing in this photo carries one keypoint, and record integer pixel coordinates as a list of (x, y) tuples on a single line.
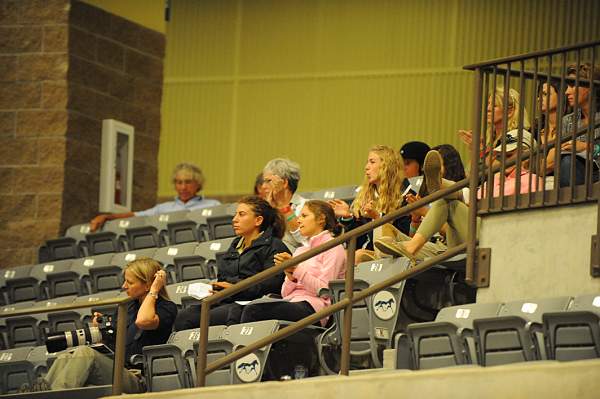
[(188, 180), (580, 97)]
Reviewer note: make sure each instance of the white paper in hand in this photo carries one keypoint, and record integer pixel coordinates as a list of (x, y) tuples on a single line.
[(199, 290)]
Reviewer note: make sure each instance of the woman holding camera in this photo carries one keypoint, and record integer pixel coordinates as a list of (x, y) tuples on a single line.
[(150, 320)]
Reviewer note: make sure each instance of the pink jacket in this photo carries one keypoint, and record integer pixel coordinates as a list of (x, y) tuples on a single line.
[(510, 183), (315, 273)]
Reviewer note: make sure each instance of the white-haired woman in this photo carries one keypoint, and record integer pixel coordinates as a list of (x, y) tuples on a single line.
[(280, 182)]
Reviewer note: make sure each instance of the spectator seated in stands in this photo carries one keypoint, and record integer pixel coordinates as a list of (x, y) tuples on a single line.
[(545, 127), (579, 99), (451, 210), (259, 228), (280, 182), (453, 171), (380, 193), (300, 291), (495, 123), (150, 320), (188, 180)]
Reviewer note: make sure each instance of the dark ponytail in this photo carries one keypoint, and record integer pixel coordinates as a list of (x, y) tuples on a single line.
[(271, 217), (323, 209)]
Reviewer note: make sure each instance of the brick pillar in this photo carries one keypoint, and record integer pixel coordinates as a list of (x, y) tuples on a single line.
[(64, 67), (33, 123)]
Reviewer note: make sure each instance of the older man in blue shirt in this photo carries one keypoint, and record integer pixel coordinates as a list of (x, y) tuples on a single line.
[(188, 180)]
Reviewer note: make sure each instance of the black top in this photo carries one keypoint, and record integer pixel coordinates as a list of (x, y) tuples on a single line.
[(234, 267), (136, 339)]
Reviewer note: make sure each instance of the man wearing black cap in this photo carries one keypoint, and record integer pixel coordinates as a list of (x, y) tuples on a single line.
[(413, 154)]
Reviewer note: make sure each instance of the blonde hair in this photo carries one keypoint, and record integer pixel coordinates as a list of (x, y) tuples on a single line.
[(391, 175), (144, 270), (514, 98)]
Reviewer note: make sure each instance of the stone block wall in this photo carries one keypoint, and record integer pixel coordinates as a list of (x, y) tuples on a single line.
[(33, 122), (115, 72), (64, 67)]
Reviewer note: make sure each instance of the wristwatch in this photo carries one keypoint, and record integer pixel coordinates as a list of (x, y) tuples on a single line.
[(154, 294)]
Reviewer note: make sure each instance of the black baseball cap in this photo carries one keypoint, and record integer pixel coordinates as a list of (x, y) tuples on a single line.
[(415, 150)]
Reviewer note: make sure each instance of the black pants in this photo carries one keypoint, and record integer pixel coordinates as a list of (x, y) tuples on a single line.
[(221, 314), (291, 311)]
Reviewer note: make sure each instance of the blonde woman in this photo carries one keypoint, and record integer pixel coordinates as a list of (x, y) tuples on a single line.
[(379, 194), (495, 122), (150, 318)]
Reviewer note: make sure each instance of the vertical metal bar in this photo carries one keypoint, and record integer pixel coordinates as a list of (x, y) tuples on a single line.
[(574, 129), (589, 162), (349, 289), (547, 131), (473, 179), (119, 363), (534, 163), (489, 191), (485, 146), (520, 133), (505, 105), (201, 361), (559, 130)]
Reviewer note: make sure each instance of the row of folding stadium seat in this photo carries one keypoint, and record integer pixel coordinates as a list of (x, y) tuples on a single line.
[(103, 272), (561, 328), (157, 231), (142, 232)]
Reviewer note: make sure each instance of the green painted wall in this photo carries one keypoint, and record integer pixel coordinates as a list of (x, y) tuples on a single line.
[(320, 81)]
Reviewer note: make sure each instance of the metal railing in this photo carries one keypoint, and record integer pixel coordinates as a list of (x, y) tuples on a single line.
[(202, 368), (528, 75), (119, 359)]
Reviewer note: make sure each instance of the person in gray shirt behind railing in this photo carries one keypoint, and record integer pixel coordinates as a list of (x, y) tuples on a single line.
[(580, 96), (188, 180)]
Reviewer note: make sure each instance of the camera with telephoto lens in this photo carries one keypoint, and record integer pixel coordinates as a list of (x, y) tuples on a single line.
[(105, 333)]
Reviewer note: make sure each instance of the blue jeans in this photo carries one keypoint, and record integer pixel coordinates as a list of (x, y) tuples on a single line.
[(566, 161)]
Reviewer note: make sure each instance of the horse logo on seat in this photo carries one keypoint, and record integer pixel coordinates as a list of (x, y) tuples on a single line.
[(384, 305), (248, 368)]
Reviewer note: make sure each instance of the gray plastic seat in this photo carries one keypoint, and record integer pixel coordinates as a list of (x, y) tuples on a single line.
[(249, 368), (442, 343), (91, 299), (58, 279), (574, 334), (192, 267), (167, 255), (20, 286), (184, 231), (82, 267), (178, 293), (103, 242), (172, 365), (344, 193), (331, 340), (384, 308), (78, 231), (214, 221), (107, 278), (511, 336), (210, 249), (59, 249), (15, 369), (143, 237)]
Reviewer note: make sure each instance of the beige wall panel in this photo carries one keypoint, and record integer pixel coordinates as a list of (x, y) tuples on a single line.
[(198, 130), (201, 39), (320, 81)]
